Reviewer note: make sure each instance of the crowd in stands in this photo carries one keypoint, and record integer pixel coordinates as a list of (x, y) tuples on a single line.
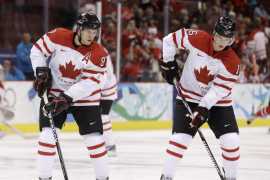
[(143, 29), (19, 68)]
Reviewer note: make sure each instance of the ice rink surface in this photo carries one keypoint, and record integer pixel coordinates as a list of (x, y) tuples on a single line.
[(140, 157)]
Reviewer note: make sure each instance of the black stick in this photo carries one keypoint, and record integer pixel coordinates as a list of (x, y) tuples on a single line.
[(213, 159), (60, 155)]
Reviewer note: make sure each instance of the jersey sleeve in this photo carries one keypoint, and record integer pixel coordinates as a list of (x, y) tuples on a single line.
[(185, 39), (172, 42), (109, 77), (94, 68), (43, 49), (108, 84), (222, 86)]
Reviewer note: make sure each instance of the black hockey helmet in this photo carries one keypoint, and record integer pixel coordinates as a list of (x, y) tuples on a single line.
[(225, 26), (88, 20)]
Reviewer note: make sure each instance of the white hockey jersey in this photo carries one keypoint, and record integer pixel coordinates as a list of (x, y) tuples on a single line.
[(257, 42), (109, 83), (208, 77), (76, 70)]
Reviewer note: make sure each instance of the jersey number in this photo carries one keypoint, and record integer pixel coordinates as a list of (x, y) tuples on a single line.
[(192, 32)]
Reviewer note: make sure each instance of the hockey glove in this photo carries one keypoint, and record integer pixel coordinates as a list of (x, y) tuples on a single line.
[(43, 80), (58, 104), (169, 71), (200, 116)]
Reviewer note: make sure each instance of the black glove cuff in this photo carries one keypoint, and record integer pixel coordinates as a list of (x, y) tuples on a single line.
[(171, 65), (170, 71), (203, 111), (67, 98), (43, 72)]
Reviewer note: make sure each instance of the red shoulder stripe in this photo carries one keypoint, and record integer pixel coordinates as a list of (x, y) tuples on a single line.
[(38, 47), (174, 39), (182, 39), (45, 45)]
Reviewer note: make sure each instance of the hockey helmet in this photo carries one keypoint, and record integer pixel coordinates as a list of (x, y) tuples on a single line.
[(88, 20), (225, 26)]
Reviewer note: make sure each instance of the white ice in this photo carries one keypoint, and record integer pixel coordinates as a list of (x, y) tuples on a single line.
[(140, 157)]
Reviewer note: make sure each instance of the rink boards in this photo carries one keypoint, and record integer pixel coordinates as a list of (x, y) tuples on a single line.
[(139, 105)]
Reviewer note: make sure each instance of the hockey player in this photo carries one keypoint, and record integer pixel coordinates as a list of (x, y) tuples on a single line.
[(265, 111), (210, 72), (108, 95), (71, 65)]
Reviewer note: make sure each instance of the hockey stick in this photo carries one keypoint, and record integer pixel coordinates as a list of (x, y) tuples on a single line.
[(18, 132), (253, 117), (213, 159), (60, 155)]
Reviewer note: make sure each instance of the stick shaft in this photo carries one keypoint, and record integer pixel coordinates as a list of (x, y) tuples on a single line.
[(213, 159), (59, 151)]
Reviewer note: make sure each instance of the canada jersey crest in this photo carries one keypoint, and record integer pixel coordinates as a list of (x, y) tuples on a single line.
[(203, 75), (69, 71)]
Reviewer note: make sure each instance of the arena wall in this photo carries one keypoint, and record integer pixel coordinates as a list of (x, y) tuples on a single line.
[(139, 105)]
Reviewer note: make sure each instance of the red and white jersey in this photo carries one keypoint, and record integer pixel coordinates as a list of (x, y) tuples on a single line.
[(76, 70), (208, 77), (109, 83)]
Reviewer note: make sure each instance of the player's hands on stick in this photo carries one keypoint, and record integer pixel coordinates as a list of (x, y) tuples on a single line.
[(58, 104), (170, 71), (43, 80), (199, 117)]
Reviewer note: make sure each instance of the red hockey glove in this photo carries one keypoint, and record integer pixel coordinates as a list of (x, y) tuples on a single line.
[(58, 104), (200, 116), (169, 71), (43, 80)]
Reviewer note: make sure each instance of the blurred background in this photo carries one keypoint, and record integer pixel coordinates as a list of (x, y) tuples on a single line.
[(143, 23), (132, 31)]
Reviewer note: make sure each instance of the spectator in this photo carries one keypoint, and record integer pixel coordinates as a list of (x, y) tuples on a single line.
[(22, 55), (261, 12), (131, 71), (257, 42), (109, 35), (11, 72)]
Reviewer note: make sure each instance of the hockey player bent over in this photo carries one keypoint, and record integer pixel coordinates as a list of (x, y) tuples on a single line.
[(73, 74), (108, 95), (210, 72)]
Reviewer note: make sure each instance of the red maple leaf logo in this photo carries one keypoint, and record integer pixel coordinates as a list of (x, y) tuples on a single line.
[(68, 70), (203, 75)]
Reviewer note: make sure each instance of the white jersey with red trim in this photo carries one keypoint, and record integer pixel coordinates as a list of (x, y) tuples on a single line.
[(109, 83), (208, 77), (76, 70)]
